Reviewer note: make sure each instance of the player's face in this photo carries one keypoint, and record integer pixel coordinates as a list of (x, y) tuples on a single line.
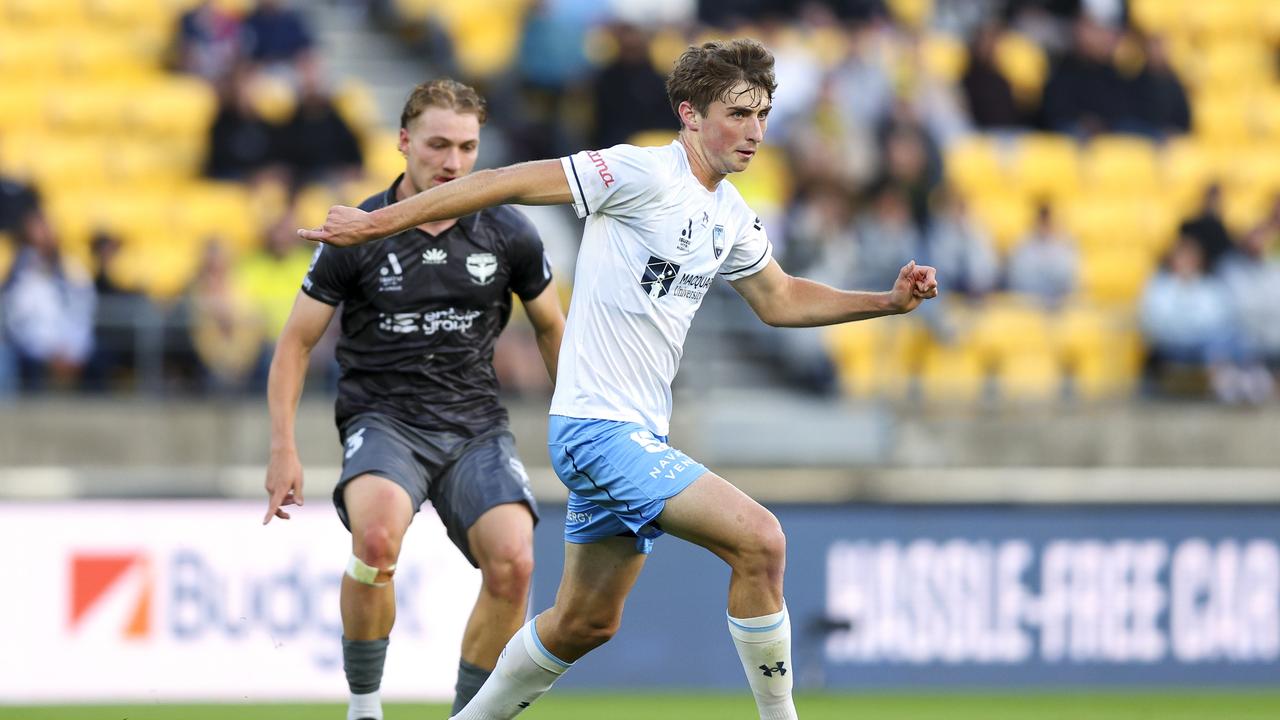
[(734, 127), (439, 145)]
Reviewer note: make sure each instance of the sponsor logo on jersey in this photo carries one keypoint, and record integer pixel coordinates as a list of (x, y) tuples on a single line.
[(434, 256), (391, 275), (717, 240), (601, 167), (692, 287), (429, 323), (482, 267), (658, 276)]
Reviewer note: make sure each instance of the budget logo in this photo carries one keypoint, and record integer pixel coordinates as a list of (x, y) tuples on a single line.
[(658, 276), (114, 588)]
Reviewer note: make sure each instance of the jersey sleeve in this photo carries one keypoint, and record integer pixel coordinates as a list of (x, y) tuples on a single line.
[(613, 181), (331, 275), (750, 253), (530, 266)]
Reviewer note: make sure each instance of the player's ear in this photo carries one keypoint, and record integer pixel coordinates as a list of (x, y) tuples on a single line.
[(403, 144), (689, 117)]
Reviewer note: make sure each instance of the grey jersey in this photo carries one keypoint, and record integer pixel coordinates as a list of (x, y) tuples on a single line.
[(421, 314)]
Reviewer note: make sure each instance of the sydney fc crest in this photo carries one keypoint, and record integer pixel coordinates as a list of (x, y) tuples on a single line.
[(717, 240), (658, 276), (482, 267)]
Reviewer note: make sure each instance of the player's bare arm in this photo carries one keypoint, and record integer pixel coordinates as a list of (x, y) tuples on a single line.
[(783, 300), (541, 182), (547, 318), (306, 324)]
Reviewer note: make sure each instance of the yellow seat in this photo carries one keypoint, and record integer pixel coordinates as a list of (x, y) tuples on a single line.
[(1244, 207), (33, 56), (87, 108), (40, 14), (912, 13), (21, 109), (1029, 376), (1008, 216), (205, 210), (1105, 221), (485, 33), (357, 106), (766, 184), (1159, 17), (974, 165), (652, 138), (1255, 170), (382, 158), (856, 350), (175, 107), (135, 14), (1005, 327), (952, 375), (100, 55), (1024, 64), (1222, 117), (1231, 20), (1046, 165), (312, 205), (1115, 276), (1186, 169), (1121, 165), (944, 56)]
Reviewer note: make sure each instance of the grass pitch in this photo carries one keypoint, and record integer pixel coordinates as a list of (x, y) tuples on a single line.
[(1180, 705)]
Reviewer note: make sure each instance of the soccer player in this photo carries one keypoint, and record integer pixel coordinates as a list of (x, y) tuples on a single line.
[(417, 406), (661, 224)]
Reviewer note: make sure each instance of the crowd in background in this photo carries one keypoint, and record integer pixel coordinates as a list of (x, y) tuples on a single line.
[(862, 125)]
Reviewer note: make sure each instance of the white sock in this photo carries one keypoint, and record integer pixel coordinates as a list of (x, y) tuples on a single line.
[(526, 670), (764, 645), (365, 705)]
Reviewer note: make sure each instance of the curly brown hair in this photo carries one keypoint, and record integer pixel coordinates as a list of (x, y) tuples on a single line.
[(443, 93), (707, 73)]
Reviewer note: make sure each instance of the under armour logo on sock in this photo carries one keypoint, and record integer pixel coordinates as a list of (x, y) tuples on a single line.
[(524, 705), (777, 668)]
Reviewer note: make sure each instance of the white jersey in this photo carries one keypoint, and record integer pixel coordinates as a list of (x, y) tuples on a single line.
[(654, 240)]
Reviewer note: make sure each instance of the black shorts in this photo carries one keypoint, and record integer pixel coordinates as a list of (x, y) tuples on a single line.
[(462, 477)]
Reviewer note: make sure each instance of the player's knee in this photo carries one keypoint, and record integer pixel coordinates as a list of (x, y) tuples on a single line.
[(508, 572), (377, 546), (765, 551), (593, 629)]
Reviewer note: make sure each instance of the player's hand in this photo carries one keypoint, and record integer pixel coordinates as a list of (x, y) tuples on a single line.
[(343, 227), (915, 284), (284, 483)]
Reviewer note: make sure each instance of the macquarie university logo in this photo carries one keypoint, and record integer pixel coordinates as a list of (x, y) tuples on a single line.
[(116, 587), (658, 276)]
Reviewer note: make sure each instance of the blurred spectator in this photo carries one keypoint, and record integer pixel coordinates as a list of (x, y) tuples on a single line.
[(1208, 230), (1161, 100), (267, 283), (1085, 94), (17, 201), (225, 331), (629, 96), (887, 238), (317, 143), (276, 34), (960, 248), (48, 303), (208, 41), (1044, 263), (909, 159), (988, 92), (1187, 319), (119, 310), (1251, 273), (242, 144)]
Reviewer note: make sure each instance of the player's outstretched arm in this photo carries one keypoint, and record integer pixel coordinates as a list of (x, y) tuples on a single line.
[(785, 301), (541, 182), (547, 318), (307, 322)]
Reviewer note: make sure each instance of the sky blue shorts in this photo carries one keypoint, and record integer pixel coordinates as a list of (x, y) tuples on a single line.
[(619, 476)]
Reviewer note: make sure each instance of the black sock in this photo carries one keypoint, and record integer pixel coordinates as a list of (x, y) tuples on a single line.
[(363, 660), (470, 678)]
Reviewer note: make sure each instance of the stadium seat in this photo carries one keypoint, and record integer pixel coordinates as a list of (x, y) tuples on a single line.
[(382, 158), (766, 183), (1024, 64), (176, 107), (1102, 220), (952, 374), (1008, 216), (87, 108), (312, 205), (21, 108), (1029, 376), (912, 13), (1046, 165), (1221, 117), (1186, 169), (652, 138), (1115, 276), (106, 55), (218, 209), (41, 14), (856, 350), (974, 165), (135, 14), (1244, 207), (1122, 165), (1159, 17), (358, 108), (1007, 326), (944, 56), (1232, 21)]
